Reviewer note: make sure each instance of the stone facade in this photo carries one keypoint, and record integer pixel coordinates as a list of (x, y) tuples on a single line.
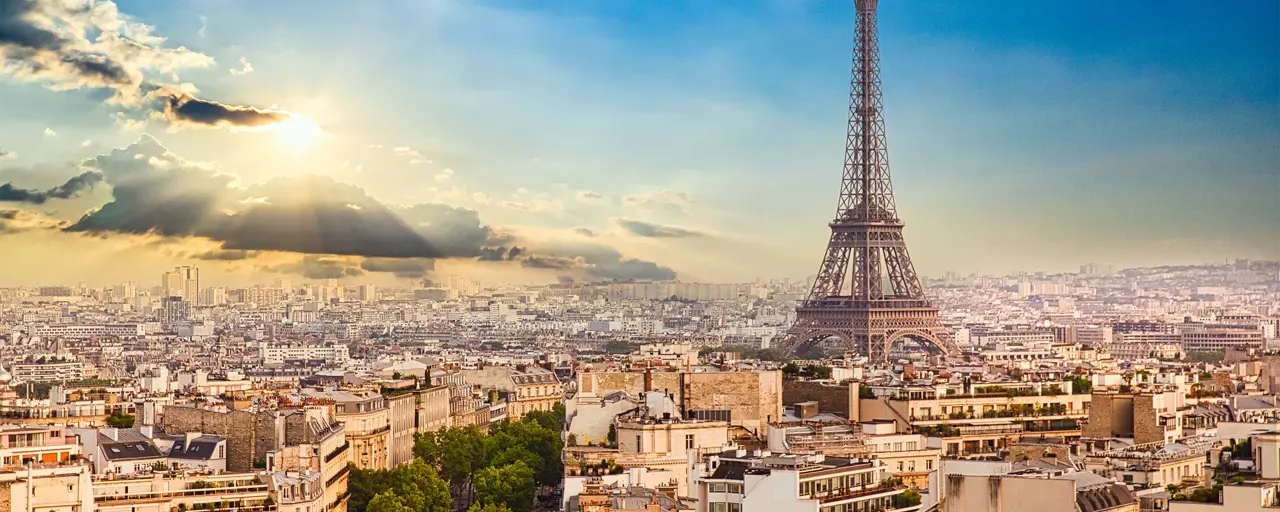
[(752, 398), (1146, 428), (250, 435), (831, 398)]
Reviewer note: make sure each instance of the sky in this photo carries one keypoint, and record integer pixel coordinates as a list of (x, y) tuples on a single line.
[(539, 141)]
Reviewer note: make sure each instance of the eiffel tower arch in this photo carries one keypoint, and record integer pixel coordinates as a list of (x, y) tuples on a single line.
[(867, 296)]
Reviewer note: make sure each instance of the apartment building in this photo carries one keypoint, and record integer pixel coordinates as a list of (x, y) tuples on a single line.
[(367, 421), (48, 368), (84, 332), (750, 399), (984, 419), (526, 388), (279, 354), (244, 492), (737, 481)]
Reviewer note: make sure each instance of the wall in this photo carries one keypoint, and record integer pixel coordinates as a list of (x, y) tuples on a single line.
[(1146, 429), (754, 398), (1012, 494), (831, 398), (249, 435)]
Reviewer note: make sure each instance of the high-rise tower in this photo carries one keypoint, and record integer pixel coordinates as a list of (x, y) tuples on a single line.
[(866, 293)]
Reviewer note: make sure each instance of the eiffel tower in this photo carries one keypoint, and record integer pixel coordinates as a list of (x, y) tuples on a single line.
[(867, 294)]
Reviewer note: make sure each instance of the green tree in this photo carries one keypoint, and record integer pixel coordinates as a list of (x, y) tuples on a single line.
[(489, 507), (511, 485), (388, 501), (118, 420)]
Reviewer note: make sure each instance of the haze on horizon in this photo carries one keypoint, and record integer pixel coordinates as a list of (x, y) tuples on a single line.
[(622, 140)]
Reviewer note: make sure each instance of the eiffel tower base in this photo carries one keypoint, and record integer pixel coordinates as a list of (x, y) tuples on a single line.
[(871, 333)]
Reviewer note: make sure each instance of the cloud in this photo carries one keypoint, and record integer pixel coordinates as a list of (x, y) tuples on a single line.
[(533, 205), (317, 267), (72, 188), (204, 27), (402, 268), (225, 255), (74, 45), (406, 151), (7, 154), (595, 262), (444, 175), (155, 191), (454, 232), (664, 199), (69, 45), (585, 232), (49, 132), (126, 123), (589, 196), (185, 110), (651, 230), (17, 221), (245, 68)]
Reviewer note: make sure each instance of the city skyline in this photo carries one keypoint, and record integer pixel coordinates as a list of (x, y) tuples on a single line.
[(713, 162)]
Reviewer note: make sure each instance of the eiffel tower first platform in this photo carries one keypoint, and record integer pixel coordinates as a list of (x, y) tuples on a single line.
[(867, 295)]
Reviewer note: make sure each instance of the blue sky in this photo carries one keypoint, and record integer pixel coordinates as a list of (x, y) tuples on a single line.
[(1028, 135)]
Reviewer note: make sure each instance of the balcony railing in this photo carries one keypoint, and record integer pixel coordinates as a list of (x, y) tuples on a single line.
[(336, 452), (857, 492), (374, 432)]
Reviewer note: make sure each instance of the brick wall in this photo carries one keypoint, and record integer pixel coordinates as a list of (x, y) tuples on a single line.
[(249, 435), (1146, 428), (831, 398), (1099, 423)]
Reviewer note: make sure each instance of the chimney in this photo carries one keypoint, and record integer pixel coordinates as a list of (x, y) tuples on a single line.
[(648, 380), (111, 433), (188, 438), (147, 430)]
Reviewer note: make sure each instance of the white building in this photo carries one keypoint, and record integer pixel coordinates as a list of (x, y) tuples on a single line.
[(335, 354)]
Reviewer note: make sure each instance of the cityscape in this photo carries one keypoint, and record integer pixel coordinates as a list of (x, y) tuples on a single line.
[(227, 285)]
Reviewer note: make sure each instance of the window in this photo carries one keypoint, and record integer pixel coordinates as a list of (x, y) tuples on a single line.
[(735, 507), (900, 466), (928, 465), (718, 487), (719, 507), (1128, 478), (688, 441), (911, 465), (735, 488), (637, 443)]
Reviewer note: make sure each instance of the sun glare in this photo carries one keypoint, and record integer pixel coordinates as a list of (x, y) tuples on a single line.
[(298, 132)]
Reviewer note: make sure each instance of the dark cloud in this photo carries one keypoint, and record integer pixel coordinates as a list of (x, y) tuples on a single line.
[(93, 45), (456, 232), (70, 189), (500, 253), (224, 255), (184, 109), (402, 268), (585, 232), (316, 267), (651, 230), (155, 191), (596, 262)]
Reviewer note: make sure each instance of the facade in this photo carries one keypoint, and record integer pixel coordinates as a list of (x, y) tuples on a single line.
[(402, 410), (750, 399), (84, 332), (741, 482), (367, 423), (275, 355), (984, 420), (183, 282), (50, 368), (245, 492), (432, 409)]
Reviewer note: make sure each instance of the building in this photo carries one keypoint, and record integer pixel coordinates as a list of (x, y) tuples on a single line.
[(526, 389), (367, 422), (166, 493), (402, 408), (737, 481), (174, 310), (48, 368), (182, 282), (1146, 417), (750, 399), (84, 332), (336, 354), (1065, 492)]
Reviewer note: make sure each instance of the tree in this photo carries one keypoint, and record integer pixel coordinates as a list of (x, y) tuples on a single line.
[(612, 436), (118, 420), (489, 507), (387, 501), (511, 485)]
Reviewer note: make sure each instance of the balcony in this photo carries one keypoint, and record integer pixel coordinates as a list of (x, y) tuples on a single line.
[(853, 493), (371, 433), (336, 452)]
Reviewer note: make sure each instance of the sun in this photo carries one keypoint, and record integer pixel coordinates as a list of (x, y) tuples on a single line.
[(297, 132)]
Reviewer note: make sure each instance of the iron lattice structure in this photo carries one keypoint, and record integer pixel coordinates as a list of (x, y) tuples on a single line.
[(867, 293)]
